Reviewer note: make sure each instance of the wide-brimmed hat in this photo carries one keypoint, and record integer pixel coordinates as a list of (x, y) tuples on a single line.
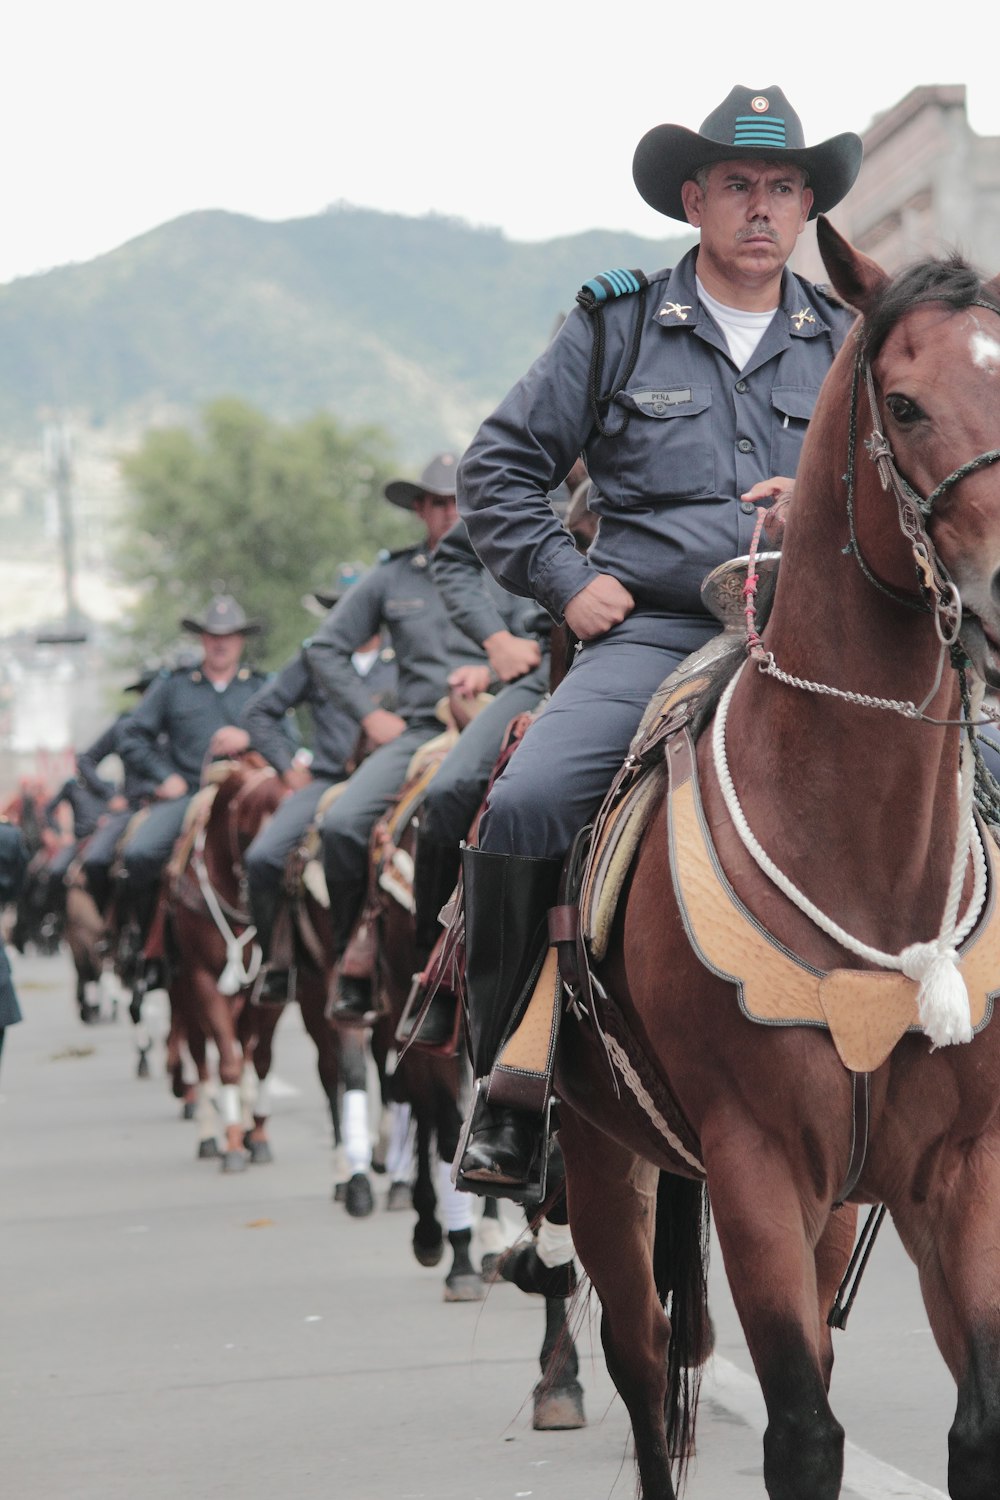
[(222, 617), (322, 600), (438, 478), (749, 125)]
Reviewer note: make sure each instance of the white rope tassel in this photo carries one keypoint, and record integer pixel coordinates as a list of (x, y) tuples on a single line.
[(942, 1000)]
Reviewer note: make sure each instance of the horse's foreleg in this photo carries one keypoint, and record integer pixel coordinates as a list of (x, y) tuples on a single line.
[(771, 1263), (355, 1123), (257, 1028), (833, 1254), (952, 1236), (428, 1240), (216, 1014), (612, 1210), (311, 995)]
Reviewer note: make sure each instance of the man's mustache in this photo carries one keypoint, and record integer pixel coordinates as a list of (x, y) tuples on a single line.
[(755, 230)]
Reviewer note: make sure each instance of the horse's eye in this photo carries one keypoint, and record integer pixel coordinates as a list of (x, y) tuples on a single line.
[(905, 411)]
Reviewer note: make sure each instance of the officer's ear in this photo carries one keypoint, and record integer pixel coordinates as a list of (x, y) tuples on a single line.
[(692, 198)]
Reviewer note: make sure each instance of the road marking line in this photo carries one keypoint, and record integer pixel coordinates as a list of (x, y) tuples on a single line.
[(867, 1476)]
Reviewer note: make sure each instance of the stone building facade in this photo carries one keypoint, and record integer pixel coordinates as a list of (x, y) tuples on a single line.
[(929, 185)]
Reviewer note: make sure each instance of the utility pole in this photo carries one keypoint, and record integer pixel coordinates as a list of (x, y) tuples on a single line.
[(59, 463)]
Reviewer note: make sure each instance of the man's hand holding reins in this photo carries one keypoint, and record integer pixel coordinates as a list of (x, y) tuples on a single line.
[(603, 604)]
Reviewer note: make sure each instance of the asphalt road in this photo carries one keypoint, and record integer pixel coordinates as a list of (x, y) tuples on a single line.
[(172, 1333)]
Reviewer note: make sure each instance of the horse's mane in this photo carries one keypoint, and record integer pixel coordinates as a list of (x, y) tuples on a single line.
[(951, 281)]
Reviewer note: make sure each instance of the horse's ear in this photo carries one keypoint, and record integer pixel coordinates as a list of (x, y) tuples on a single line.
[(855, 278)]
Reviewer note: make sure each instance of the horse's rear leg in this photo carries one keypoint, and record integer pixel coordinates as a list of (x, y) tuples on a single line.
[(770, 1258), (612, 1212), (952, 1236)]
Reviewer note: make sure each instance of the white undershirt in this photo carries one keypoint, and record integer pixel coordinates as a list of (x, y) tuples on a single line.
[(743, 330), (364, 661)]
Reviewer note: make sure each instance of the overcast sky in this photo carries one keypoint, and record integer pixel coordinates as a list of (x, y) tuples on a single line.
[(118, 115)]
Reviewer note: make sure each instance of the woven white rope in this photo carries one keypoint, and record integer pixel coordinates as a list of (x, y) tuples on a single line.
[(943, 1000), (236, 973)]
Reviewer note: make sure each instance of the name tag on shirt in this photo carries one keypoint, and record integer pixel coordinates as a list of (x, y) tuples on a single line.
[(659, 401)]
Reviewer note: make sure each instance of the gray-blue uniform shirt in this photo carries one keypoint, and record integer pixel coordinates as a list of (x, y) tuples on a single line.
[(399, 597), (689, 433), (335, 732), (171, 729)]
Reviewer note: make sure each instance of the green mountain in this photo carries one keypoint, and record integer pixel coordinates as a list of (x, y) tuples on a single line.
[(417, 326)]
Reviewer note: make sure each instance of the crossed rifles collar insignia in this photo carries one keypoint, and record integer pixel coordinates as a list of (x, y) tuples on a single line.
[(803, 316), (676, 310)]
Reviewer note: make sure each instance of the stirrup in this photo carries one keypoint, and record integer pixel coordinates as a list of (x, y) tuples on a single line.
[(523, 1192)]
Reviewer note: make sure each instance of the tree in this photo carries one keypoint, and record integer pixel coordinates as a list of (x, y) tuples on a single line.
[(255, 508)]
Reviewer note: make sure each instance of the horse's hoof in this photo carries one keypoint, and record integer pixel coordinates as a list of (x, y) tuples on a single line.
[(399, 1196), (189, 1110), (90, 1014), (358, 1197), (428, 1255), (489, 1267), (559, 1409), (208, 1149), (142, 1066), (464, 1288), (235, 1161), (260, 1153)]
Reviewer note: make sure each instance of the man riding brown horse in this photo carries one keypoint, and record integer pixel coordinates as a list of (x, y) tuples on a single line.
[(689, 394)]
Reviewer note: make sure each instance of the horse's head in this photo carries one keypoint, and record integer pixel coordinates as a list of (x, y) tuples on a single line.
[(249, 791), (927, 397)]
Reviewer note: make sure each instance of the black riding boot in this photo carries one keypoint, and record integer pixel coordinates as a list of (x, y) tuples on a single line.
[(265, 901), (507, 900), (353, 1003), (434, 879)]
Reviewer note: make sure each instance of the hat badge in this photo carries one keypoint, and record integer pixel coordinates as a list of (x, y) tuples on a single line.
[(760, 105)]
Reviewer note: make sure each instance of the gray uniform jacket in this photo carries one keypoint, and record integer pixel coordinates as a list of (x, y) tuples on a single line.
[(172, 727), (397, 596), (475, 601), (699, 434), (335, 733)]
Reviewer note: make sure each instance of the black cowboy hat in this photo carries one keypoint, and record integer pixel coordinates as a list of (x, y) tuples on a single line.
[(222, 617), (438, 478), (749, 125), (321, 600)]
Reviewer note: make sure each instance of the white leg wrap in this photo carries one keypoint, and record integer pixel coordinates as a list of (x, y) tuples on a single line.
[(248, 1093), (356, 1130), (554, 1244), (206, 1116), (399, 1156), (491, 1236), (231, 1105), (261, 1105), (456, 1209)]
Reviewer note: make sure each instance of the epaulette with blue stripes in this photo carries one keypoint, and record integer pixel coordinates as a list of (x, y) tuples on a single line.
[(609, 285)]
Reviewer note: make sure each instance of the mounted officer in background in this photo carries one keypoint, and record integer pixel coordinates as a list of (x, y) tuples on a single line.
[(335, 747), (688, 394), (184, 720), (398, 597)]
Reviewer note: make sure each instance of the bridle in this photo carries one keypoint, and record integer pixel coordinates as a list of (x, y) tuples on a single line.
[(938, 594)]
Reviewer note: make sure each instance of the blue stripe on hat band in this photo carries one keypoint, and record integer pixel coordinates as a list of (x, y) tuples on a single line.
[(750, 131)]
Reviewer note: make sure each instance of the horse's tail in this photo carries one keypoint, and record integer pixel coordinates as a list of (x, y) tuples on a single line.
[(680, 1270)]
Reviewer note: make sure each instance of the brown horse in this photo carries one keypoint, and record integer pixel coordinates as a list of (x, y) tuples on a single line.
[(212, 968), (845, 731)]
